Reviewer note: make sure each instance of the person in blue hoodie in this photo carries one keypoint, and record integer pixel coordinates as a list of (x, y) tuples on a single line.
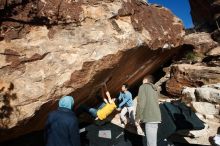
[(62, 125), (126, 105)]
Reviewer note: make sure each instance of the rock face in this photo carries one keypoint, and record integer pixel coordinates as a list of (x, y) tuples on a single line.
[(73, 50), (191, 76), (205, 12), (189, 94), (202, 42), (203, 99), (214, 52), (200, 66), (205, 108), (210, 93), (213, 57)]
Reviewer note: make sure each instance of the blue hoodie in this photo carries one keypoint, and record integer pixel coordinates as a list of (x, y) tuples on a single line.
[(62, 125), (66, 102), (126, 98)]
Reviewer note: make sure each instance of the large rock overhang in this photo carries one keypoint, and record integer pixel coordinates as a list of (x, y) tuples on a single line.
[(113, 43), (205, 14)]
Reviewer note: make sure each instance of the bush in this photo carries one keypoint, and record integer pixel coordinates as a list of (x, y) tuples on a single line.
[(193, 56), (190, 56)]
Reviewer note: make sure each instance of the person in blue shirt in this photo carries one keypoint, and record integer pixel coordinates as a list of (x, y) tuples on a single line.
[(126, 105)]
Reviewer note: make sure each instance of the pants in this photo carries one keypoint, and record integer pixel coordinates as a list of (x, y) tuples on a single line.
[(93, 111), (130, 111), (151, 133)]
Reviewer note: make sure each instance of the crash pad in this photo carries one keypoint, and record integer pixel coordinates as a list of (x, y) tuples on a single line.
[(183, 116)]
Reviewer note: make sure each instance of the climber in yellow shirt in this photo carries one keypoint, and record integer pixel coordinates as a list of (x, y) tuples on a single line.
[(107, 109), (104, 110)]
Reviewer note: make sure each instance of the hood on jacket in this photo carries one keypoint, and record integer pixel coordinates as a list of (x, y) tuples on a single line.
[(66, 102)]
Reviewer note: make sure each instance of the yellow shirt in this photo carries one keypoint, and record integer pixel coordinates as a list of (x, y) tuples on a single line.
[(106, 110)]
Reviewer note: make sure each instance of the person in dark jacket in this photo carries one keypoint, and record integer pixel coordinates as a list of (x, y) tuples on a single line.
[(148, 110), (62, 125)]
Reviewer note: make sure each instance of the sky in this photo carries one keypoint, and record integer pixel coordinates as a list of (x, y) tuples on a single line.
[(180, 8)]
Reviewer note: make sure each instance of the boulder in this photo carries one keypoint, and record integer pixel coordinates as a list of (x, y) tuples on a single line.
[(201, 41), (215, 86), (73, 48), (204, 13), (216, 35), (214, 52), (189, 94), (205, 108), (208, 94), (191, 76), (200, 48), (213, 57), (214, 63)]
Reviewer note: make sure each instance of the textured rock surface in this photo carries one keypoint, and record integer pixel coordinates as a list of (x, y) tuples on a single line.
[(208, 94), (191, 76), (213, 57), (205, 108), (216, 35), (189, 94), (214, 52), (104, 41), (205, 12), (201, 41)]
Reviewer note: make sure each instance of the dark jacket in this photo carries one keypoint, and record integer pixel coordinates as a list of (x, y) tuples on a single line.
[(62, 128), (147, 104)]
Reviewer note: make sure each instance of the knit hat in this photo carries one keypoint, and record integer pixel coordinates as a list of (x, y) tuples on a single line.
[(66, 102)]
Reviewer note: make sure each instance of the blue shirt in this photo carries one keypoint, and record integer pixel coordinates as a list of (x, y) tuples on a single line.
[(126, 98)]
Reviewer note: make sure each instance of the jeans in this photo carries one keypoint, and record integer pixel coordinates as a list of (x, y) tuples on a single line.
[(94, 111), (151, 133)]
